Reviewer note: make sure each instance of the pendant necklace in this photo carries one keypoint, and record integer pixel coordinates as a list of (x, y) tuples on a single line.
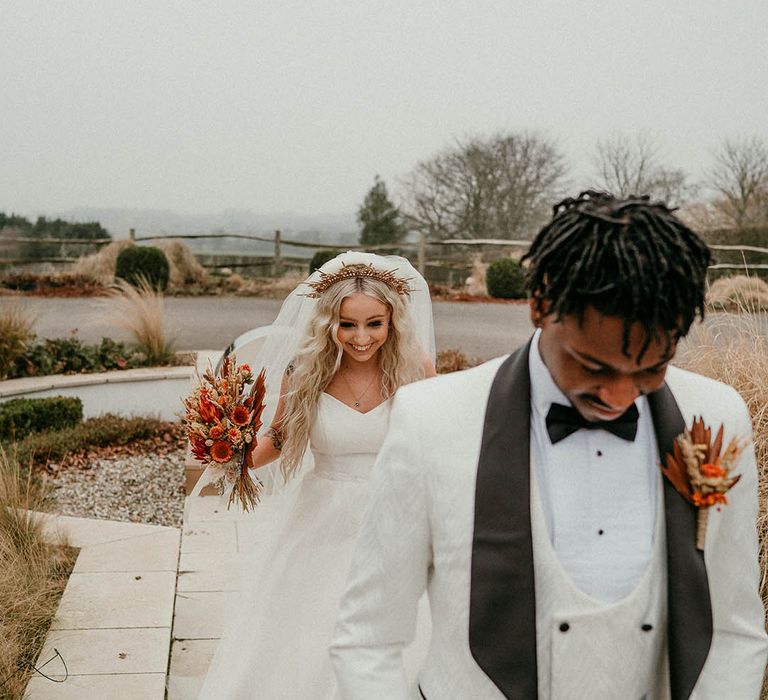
[(357, 399)]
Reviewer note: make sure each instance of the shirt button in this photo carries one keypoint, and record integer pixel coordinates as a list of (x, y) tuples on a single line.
[(646, 627), (600, 532), (564, 627), (599, 453)]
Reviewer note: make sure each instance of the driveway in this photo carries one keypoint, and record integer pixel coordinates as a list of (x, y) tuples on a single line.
[(206, 323)]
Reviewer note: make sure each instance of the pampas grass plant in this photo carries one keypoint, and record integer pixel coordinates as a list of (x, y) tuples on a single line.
[(733, 348), (738, 293), (277, 288), (184, 270), (139, 310), (16, 332), (33, 574), (476, 283), (100, 267)]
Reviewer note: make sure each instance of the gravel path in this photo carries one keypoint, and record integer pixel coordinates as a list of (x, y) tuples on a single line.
[(143, 488)]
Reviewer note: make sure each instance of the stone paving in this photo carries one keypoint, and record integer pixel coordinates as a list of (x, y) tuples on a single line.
[(216, 545), (113, 625)]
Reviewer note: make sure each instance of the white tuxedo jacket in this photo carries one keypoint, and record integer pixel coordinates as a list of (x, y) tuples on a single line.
[(450, 513)]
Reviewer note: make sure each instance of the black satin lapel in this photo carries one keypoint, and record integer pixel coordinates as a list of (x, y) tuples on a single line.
[(502, 613), (690, 608)]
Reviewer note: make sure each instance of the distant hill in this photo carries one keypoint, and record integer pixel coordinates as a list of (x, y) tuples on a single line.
[(325, 228)]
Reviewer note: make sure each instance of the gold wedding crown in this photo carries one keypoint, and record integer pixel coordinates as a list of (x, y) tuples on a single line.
[(353, 270)]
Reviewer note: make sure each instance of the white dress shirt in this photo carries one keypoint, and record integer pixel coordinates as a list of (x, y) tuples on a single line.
[(598, 493)]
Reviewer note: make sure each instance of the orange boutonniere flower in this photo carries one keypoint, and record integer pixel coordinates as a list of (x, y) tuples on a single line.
[(700, 473)]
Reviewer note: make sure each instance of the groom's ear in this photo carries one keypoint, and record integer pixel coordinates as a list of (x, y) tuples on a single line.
[(539, 308)]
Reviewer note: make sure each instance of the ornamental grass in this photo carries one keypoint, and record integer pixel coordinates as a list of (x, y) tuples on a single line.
[(733, 348), (454, 360), (184, 270), (738, 293), (100, 267), (139, 310), (16, 333), (33, 574)]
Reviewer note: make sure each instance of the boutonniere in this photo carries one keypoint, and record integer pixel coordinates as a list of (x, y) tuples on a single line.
[(700, 473)]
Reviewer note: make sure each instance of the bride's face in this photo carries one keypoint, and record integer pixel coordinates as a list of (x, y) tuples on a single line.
[(363, 326)]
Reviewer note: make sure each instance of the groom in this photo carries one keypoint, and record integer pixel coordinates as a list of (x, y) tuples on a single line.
[(525, 496)]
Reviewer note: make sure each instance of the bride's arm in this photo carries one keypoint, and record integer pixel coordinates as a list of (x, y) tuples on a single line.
[(270, 444), (429, 368)]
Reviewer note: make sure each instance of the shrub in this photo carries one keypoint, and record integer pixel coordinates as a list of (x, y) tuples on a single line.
[(137, 262), (21, 417), (107, 429), (320, 258), (506, 279), (69, 355), (15, 335), (21, 281)]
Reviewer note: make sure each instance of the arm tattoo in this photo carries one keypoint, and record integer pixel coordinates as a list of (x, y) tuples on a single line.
[(277, 437)]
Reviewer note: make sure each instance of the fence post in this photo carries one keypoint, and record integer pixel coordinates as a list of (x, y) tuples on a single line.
[(277, 266), (421, 255), (132, 234)]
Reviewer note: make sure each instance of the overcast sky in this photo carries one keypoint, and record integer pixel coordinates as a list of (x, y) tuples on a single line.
[(277, 106)]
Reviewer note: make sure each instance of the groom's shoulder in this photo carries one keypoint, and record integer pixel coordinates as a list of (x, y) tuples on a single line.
[(462, 385), (696, 390)]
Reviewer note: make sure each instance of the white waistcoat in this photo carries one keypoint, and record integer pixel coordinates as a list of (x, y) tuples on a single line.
[(592, 650)]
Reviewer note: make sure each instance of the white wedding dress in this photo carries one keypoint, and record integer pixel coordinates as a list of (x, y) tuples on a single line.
[(276, 644)]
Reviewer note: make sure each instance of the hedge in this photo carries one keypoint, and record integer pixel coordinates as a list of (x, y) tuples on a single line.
[(21, 417)]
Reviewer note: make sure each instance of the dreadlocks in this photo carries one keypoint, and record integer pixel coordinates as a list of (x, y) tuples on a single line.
[(630, 258)]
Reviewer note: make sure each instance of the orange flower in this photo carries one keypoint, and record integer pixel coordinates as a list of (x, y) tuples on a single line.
[(208, 410), (216, 431), (234, 435), (711, 499), (712, 471), (221, 451), (240, 415), (245, 367)]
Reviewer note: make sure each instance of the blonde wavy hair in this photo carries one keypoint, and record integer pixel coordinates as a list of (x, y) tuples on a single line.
[(319, 358)]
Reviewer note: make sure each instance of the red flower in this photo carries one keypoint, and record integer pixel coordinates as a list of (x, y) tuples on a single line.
[(208, 410), (241, 415), (233, 435), (199, 450), (216, 432), (245, 367), (221, 451)]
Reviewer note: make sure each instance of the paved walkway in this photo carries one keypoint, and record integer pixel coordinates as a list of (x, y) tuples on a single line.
[(213, 546), (113, 625)]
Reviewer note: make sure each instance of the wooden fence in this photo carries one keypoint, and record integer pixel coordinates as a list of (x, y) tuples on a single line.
[(452, 256)]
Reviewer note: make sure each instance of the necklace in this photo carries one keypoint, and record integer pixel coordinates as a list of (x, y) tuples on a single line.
[(357, 399)]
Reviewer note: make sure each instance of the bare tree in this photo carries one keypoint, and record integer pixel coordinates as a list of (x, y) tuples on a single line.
[(500, 187), (627, 166), (740, 177)]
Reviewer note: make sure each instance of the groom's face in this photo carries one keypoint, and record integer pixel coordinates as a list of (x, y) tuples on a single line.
[(587, 361)]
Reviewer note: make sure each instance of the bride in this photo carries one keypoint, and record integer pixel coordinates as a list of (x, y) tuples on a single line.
[(366, 329)]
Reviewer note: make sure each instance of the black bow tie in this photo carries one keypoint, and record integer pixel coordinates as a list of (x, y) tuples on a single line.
[(564, 420)]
